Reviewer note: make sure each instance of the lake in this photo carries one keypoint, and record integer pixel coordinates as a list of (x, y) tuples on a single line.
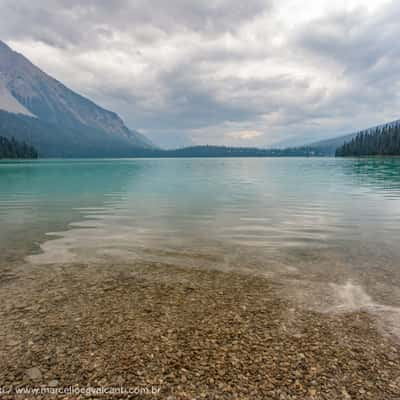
[(326, 228)]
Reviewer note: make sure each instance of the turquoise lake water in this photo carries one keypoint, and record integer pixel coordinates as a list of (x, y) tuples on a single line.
[(320, 220)]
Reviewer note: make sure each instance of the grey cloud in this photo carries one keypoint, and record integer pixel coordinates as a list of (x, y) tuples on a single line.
[(184, 70), (77, 23), (361, 44)]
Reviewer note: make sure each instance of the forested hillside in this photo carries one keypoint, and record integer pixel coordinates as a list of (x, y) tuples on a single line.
[(10, 148), (382, 141), (51, 140)]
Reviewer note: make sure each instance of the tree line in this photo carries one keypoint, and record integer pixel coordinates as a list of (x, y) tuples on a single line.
[(381, 141), (10, 148), (225, 151)]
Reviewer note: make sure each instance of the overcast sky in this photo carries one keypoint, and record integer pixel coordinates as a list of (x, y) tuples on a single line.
[(251, 73)]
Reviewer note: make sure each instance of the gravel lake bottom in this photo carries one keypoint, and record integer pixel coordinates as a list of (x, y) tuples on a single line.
[(183, 333)]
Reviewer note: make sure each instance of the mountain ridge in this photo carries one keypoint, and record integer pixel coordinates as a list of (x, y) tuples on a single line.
[(42, 96), (330, 146)]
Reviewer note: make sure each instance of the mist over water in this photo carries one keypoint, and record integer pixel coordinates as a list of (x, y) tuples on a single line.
[(328, 228)]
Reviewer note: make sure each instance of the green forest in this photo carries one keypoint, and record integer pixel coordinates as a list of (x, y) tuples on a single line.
[(381, 141), (10, 148), (224, 151)]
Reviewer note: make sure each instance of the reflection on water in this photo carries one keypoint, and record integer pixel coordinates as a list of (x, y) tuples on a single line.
[(40, 196), (323, 222), (380, 174)]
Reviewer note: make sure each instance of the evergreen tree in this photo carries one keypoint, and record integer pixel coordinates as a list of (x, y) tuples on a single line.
[(10, 148), (379, 141)]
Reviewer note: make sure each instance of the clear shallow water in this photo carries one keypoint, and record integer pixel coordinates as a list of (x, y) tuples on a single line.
[(327, 223)]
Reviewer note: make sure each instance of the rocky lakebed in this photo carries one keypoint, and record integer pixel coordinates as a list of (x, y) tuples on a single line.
[(168, 332)]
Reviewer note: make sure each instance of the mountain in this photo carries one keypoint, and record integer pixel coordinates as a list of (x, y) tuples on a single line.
[(57, 121), (329, 146), (9, 103)]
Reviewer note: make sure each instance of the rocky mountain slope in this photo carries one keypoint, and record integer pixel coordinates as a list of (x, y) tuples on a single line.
[(25, 90), (9, 103)]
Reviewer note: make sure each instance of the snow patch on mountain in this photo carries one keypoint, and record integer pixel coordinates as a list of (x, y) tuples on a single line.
[(9, 103)]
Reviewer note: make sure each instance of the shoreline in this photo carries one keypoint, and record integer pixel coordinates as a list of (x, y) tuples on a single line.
[(192, 333)]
